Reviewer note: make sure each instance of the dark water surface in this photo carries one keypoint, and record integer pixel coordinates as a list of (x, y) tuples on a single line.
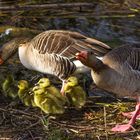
[(114, 22)]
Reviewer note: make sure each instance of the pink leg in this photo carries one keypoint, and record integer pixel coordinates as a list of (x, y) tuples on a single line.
[(125, 127), (130, 114), (62, 88)]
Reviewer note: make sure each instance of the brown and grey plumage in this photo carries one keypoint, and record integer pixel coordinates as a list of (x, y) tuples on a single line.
[(118, 72), (51, 51), (9, 48)]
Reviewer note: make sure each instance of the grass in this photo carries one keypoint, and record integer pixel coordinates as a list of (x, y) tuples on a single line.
[(94, 121)]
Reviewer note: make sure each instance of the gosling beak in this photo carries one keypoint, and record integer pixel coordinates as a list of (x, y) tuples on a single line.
[(36, 84)]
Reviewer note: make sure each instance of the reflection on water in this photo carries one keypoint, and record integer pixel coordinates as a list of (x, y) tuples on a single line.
[(7, 32)]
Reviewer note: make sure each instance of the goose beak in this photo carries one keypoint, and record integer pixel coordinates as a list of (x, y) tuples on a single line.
[(1, 60), (81, 55)]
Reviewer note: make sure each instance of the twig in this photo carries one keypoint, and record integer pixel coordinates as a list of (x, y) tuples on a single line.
[(2, 109), (8, 131), (123, 133), (87, 128), (18, 111), (71, 126), (75, 131), (3, 138), (105, 116), (31, 126), (48, 6), (19, 130), (98, 137), (25, 113), (31, 135), (133, 128), (105, 122)]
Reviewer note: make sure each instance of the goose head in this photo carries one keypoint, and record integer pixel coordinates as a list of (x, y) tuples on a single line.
[(11, 47), (87, 58)]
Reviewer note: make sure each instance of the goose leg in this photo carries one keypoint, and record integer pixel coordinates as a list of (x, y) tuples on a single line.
[(62, 88), (130, 114), (125, 127)]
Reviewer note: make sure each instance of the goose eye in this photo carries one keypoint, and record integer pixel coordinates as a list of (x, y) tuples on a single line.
[(91, 53), (0, 53)]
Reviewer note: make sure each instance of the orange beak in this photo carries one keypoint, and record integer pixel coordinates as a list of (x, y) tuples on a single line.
[(81, 55), (1, 61)]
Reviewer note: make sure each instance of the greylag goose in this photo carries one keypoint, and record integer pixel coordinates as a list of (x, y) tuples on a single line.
[(117, 72), (52, 52)]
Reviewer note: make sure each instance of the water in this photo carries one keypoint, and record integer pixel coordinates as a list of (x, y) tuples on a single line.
[(113, 23)]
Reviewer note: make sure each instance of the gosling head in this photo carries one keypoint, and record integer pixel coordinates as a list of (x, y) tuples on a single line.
[(72, 81), (37, 90), (22, 84), (44, 82)]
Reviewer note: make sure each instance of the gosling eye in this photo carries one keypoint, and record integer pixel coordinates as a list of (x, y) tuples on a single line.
[(68, 80)]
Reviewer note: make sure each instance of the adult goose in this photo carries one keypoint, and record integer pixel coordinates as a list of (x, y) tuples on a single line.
[(117, 72), (52, 52)]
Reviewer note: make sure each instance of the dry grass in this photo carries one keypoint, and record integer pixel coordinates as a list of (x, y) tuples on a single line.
[(94, 121)]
